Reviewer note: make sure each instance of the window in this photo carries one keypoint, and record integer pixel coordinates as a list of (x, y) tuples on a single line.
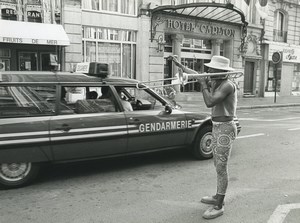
[(141, 98), (280, 27), (90, 52), (112, 46), (128, 7), (28, 61), (8, 13), (23, 101), (296, 80), (81, 100)]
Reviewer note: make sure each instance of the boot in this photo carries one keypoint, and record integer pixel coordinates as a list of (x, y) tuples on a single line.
[(213, 199), (209, 199), (217, 210), (213, 212)]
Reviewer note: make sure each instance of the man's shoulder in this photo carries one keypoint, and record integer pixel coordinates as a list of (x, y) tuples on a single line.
[(227, 85)]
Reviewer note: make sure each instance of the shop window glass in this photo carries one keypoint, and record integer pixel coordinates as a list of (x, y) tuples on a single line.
[(4, 64), (39, 100), (296, 80), (207, 44), (126, 58), (110, 53), (90, 51), (4, 52), (100, 33), (49, 61), (120, 55), (27, 61)]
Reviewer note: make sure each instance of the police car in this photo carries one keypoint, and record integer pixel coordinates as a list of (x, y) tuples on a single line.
[(60, 117)]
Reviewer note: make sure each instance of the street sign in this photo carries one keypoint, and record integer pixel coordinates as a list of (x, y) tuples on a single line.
[(276, 57)]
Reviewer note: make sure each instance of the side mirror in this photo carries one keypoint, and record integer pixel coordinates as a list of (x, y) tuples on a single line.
[(168, 109)]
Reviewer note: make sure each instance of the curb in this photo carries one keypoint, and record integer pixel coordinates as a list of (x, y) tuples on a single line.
[(268, 106)]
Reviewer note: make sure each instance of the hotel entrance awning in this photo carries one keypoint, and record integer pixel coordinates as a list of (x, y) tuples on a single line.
[(210, 12), (226, 13), (32, 33)]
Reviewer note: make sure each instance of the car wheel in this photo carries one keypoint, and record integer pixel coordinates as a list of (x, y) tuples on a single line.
[(13, 175), (202, 148)]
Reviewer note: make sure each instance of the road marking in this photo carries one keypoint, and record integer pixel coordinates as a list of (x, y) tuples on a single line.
[(294, 129), (281, 212), (249, 136), (268, 120)]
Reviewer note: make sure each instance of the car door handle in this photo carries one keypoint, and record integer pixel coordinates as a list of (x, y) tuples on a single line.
[(64, 128)]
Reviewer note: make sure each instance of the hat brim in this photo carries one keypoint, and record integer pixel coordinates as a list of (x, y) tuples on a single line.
[(218, 67)]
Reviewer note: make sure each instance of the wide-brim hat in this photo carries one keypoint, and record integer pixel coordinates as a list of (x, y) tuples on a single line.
[(220, 63)]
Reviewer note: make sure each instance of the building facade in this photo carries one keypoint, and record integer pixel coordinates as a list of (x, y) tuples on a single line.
[(282, 31), (31, 37), (135, 37)]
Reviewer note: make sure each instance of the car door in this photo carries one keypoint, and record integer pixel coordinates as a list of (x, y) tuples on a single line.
[(150, 127), (24, 116), (83, 129)]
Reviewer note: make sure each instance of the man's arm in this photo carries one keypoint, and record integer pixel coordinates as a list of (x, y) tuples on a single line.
[(211, 99), (183, 68)]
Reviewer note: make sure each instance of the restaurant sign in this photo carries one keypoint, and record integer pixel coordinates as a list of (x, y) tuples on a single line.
[(289, 54), (30, 41)]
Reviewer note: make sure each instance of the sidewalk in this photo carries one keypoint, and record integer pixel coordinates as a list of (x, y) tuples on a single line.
[(191, 100)]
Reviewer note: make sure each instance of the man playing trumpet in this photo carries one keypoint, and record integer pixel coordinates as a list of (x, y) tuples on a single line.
[(221, 97)]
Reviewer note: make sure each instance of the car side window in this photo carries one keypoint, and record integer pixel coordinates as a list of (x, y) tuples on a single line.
[(27, 100), (142, 99), (82, 100)]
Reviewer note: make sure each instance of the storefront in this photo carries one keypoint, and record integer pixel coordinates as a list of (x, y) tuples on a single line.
[(31, 46), (195, 32), (287, 81)]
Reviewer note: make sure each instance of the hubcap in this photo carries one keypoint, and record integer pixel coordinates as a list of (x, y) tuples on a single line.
[(206, 143), (14, 171)]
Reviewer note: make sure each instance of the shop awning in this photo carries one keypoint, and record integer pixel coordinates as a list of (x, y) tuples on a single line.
[(226, 13), (32, 33)]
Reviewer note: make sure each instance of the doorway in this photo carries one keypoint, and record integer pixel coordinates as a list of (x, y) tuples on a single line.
[(249, 77), (43, 61), (27, 61)]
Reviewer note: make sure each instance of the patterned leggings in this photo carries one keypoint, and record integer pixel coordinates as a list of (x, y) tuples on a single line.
[(224, 134)]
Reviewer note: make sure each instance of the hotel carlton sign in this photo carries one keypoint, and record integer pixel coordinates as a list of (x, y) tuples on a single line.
[(203, 28)]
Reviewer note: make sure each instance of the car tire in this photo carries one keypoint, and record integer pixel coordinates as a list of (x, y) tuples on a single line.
[(14, 175), (202, 148)]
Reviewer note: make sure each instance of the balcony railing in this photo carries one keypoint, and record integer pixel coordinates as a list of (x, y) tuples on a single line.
[(279, 36)]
